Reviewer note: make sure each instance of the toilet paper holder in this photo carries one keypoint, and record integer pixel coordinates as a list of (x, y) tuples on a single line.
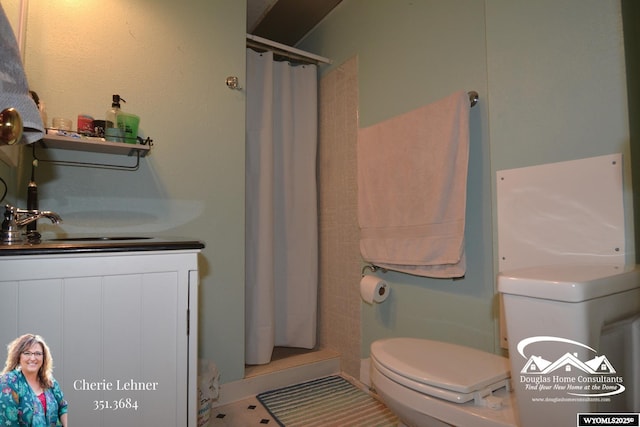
[(373, 269)]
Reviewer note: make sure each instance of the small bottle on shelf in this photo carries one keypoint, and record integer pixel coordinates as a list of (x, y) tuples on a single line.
[(111, 130)]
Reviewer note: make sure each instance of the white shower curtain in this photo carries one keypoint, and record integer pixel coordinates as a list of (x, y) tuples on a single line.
[(281, 207)]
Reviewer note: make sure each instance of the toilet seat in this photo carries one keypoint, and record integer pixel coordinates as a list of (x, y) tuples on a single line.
[(444, 370)]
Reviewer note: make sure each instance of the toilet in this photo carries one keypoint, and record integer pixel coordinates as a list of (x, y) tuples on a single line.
[(433, 384), (571, 300), (563, 320), (579, 312)]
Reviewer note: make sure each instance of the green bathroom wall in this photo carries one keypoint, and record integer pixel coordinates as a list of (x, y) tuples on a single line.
[(551, 80), (169, 62), (8, 175), (631, 17), (557, 85)]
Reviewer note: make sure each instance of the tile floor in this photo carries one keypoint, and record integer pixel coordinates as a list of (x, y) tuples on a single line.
[(243, 413)]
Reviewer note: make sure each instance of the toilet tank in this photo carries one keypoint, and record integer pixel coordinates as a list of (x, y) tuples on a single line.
[(574, 340), (569, 212), (572, 283)]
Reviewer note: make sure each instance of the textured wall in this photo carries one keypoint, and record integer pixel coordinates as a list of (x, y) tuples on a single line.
[(339, 327)]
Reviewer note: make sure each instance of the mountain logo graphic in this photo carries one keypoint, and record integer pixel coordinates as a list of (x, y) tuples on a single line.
[(567, 362), (595, 377)]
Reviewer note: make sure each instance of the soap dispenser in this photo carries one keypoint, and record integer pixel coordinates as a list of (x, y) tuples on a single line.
[(111, 130)]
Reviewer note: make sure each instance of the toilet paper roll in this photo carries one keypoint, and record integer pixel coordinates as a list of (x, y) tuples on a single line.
[(373, 289)]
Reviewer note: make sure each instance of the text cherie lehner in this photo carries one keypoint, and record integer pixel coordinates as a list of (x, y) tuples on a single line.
[(130, 385)]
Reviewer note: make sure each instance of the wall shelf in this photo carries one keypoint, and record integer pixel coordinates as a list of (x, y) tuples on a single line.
[(95, 145)]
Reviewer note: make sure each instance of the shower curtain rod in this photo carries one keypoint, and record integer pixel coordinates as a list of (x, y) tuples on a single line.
[(284, 50)]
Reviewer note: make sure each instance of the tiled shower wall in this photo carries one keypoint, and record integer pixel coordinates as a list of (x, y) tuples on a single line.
[(340, 262)]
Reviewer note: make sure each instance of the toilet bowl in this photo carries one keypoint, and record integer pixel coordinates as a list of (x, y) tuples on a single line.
[(574, 342), (432, 384)]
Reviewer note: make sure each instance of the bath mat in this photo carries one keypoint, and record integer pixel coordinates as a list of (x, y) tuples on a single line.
[(330, 401)]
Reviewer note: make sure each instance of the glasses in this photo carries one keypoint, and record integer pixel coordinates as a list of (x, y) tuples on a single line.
[(34, 353)]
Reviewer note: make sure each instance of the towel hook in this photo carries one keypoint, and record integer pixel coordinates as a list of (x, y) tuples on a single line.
[(232, 82), (373, 268), (473, 97)]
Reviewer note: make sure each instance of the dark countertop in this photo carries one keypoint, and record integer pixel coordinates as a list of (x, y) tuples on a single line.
[(94, 244)]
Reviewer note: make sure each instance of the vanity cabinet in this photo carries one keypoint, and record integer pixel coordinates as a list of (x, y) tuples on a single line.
[(121, 326)]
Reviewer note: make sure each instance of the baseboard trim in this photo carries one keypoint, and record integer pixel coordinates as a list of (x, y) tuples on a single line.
[(365, 372), (245, 388)]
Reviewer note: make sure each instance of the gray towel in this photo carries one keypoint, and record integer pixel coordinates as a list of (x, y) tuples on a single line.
[(14, 91)]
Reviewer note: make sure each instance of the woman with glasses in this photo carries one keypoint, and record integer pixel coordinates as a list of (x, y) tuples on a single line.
[(29, 395)]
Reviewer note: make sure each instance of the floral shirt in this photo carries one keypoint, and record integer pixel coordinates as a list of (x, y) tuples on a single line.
[(19, 405)]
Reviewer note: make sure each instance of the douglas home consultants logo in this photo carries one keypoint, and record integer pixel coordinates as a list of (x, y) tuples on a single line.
[(566, 377)]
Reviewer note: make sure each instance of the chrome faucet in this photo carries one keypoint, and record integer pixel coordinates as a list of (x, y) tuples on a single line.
[(14, 218)]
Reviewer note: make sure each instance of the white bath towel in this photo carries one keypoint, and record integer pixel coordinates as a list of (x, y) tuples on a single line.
[(412, 185)]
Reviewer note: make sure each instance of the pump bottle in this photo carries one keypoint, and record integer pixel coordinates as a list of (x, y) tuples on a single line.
[(111, 130)]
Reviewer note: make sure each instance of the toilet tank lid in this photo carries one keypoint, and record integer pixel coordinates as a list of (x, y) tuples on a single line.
[(570, 282), (440, 364)]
